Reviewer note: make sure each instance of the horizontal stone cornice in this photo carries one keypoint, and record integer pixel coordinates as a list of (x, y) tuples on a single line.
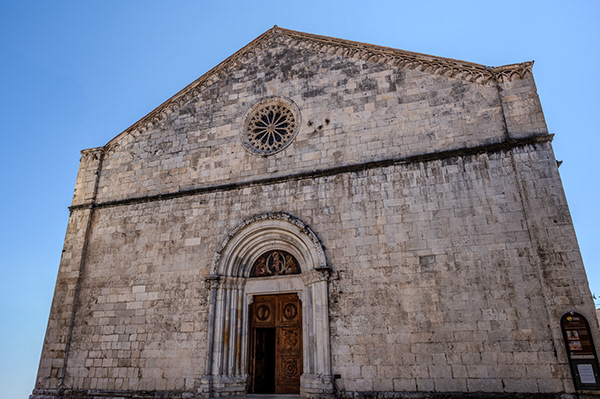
[(357, 167)]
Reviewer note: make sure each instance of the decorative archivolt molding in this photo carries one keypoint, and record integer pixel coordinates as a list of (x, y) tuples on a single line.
[(231, 293), (471, 72), (255, 231)]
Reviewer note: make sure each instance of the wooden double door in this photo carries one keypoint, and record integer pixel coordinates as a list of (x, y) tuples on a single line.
[(276, 344)]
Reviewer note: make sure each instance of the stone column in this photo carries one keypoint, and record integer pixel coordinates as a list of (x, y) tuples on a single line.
[(224, 357), (317, 379), (213, 283)]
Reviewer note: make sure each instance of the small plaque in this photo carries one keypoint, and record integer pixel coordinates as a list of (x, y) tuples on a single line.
[(586, 373), (581, 351)]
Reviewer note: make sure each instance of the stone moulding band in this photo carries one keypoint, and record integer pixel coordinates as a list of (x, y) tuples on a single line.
[(407, 59), (92, 153), (358, 167)]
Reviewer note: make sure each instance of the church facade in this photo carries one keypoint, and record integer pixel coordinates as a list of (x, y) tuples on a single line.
[(327, 218)]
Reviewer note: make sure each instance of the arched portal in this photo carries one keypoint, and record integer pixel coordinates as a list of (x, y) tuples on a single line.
[(232, 291)]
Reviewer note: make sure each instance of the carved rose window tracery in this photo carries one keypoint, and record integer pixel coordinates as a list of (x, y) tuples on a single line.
[(275, 263), (270, 126)]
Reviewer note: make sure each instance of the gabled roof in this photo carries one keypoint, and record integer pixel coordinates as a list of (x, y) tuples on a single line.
[(468, 71)]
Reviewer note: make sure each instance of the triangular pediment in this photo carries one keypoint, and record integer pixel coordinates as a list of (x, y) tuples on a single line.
[(467, 71)]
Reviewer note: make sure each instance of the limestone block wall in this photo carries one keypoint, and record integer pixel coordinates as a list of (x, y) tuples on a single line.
[(521, 106), (352, 111), (456, 290), (57, 340), (141, 323), (436, 198), (87, 176), (437, 282), (552, 233)]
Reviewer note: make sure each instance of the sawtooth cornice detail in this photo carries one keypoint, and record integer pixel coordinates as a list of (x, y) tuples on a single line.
[(406, 59), (456, 69), (508, 73), (92, 153)]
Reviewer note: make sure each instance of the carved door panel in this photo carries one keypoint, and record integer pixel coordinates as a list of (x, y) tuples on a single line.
[(288, 367), (276, 352)]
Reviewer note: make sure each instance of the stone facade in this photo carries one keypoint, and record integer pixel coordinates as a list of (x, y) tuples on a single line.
[(420, 196)]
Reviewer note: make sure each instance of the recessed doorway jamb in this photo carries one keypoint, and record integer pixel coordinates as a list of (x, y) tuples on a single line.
[(231, 293)]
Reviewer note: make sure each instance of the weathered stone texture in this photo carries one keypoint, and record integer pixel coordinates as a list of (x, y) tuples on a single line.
[(59, 325), (521, 107), (449, 244), (358, 111)]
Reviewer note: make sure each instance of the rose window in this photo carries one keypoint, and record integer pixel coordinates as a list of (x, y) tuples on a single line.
[(270, 126)]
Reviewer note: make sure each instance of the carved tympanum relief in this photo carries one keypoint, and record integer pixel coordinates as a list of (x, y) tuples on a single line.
[(275, 263)]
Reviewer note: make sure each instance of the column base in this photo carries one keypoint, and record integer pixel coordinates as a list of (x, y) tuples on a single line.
[(317, 386), (223, 385)]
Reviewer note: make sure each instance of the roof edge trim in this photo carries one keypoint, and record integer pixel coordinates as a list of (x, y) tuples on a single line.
[(188, 92)]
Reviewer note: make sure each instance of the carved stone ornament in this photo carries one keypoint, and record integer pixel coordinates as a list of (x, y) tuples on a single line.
[(275, 263), (255, 242), (265, 225), (92, 153), (270, 126)]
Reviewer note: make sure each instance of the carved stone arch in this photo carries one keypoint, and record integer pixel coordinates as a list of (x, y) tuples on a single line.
[(232, 292), (261, 233)]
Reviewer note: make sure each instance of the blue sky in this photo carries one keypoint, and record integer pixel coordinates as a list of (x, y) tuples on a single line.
[(75, 74)]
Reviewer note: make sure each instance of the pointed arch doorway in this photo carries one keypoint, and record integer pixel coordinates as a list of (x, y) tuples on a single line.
[(233, 292)]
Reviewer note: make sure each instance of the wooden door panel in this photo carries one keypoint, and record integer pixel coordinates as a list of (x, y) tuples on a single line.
[(289, 311), (276, 353), (264, 311), (288, 363), (289, 340), (288, 376)]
